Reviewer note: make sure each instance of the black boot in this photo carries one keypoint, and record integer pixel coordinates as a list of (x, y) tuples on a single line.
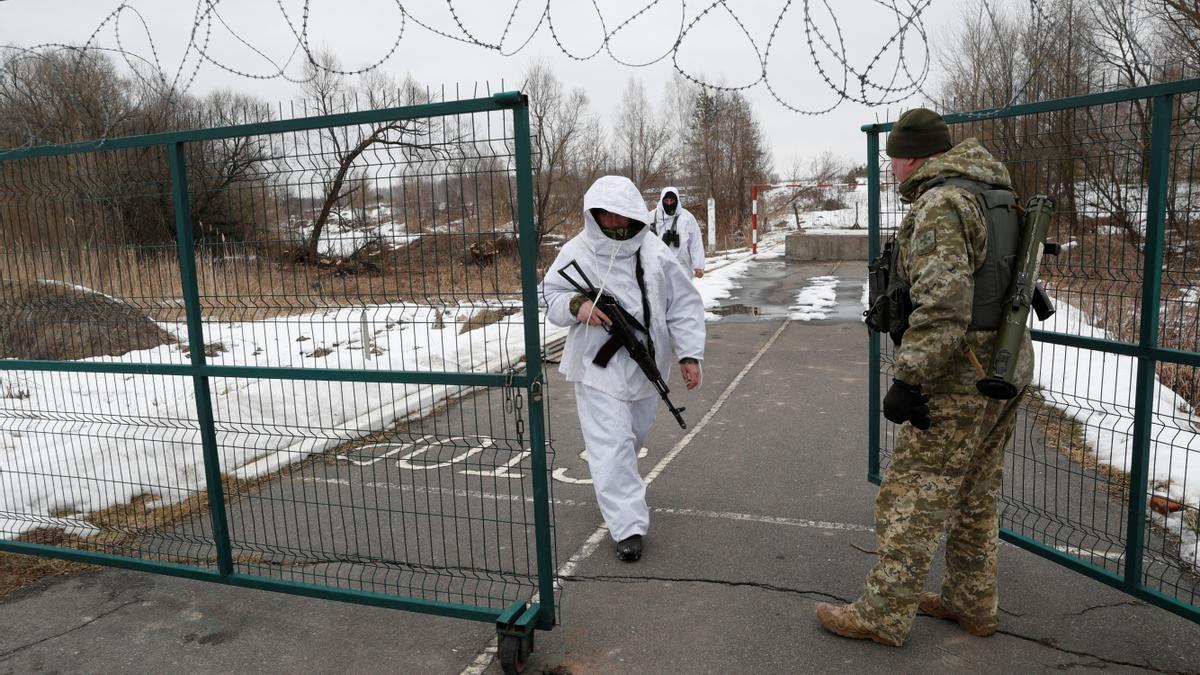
[(629, 549)]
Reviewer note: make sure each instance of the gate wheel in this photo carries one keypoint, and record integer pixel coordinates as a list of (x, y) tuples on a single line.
[(514, 654)]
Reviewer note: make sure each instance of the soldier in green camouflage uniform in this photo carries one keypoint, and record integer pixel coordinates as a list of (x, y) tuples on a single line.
[(945, 478)]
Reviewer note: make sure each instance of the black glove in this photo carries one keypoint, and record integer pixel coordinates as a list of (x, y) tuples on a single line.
[(905, 403)]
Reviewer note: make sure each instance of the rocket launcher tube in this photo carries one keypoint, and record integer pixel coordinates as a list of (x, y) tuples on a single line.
[(998, 383)]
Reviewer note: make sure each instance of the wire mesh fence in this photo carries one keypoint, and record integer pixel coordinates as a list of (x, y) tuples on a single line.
[(303, 351), (1103, 472)]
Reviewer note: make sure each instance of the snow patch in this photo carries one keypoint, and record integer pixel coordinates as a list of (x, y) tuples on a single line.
[(815, 300)]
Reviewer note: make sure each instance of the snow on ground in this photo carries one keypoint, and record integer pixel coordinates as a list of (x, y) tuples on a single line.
[(339, 240), (770, 251), (73, 443), (835, 221), (1103, 200), (1097, 390), (81, 289), (815, 300)]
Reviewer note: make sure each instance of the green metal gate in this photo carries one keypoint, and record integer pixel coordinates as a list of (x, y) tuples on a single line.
[(1102, 473), (299, 355)]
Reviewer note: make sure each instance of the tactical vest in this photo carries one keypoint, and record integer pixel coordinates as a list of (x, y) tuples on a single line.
[(890, 304)]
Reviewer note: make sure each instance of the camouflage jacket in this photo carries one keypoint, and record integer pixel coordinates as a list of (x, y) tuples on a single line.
[(942, 241)]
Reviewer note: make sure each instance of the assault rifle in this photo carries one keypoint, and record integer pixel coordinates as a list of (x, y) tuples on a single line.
[(621, 334)]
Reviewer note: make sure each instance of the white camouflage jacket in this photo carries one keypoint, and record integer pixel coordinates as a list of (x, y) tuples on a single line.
[(690, 251)]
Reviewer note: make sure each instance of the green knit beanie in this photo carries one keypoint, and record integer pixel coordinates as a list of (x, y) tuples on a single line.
[(919, 132)]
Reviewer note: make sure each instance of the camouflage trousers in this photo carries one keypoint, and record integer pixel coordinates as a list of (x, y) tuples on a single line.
[(942, 480)]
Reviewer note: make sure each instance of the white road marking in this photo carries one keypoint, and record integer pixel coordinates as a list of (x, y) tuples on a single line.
[(482, 660), (560, 474), (476, 494), (771, 520)]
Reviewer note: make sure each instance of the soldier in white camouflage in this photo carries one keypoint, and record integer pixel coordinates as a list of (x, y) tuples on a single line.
[(946, 470)]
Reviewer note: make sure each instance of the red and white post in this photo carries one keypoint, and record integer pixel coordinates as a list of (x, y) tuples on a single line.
[(754, 219)]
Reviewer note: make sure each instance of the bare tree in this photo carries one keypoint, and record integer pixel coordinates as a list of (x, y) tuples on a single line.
[(1181, 21), (980, 66), (641, 137), (1095, 159), (827, 167), (331, 93), (216, 167), (62, 96), (727, 153), (1122, 37), (675, 114), (72, 95), (591, 158), (561, 124)]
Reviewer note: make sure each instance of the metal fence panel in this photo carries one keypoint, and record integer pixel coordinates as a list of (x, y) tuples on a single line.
[(1102, 474), (299, 355)]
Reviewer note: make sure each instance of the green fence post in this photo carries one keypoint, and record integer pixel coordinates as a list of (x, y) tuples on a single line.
[(191, 295), (1152, 261), (873, 236), (533, 365)]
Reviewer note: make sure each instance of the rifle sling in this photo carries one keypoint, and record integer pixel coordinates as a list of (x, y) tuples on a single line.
[(640, 275)]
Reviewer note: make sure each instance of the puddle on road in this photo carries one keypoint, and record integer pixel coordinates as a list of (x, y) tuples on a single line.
[(769, 292), (753, 311)]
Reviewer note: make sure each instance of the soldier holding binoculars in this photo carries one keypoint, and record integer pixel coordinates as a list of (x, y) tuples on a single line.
[(679, 230)]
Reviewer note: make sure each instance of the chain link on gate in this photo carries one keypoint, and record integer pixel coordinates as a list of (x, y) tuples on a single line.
[(1125, 289), (514, 402), (357, 292)]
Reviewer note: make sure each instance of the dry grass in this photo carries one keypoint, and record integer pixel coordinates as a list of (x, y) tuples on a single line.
[(210, 350), (44, 321), (486, 317), (249, 284), (20, 571)]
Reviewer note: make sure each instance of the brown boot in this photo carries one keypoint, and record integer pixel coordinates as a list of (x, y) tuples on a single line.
[(931, 604), (839, 620)]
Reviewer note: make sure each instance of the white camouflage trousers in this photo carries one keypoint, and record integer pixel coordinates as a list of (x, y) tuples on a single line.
[(613, 433)]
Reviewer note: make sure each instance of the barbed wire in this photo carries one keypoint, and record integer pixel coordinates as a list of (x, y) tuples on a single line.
[(867, 81)]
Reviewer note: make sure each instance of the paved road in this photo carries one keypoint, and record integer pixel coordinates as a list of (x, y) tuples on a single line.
[(756, 517)]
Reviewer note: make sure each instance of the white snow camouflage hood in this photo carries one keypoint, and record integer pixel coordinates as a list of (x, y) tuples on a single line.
[(661, 213), (615, 194)]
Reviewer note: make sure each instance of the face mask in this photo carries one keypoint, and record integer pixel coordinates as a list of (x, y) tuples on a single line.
[(669, 209)]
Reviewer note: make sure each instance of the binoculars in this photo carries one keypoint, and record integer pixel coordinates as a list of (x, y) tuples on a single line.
[(671, 238)]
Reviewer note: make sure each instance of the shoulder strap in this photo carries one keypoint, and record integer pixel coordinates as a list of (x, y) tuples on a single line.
[(640, 275), (978, 189)]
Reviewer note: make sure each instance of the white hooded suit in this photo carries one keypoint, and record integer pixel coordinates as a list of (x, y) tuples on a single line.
[(690, 251), (617, 404)]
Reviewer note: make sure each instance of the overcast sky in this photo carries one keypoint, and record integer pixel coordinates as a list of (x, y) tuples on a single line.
[(362, 32)]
